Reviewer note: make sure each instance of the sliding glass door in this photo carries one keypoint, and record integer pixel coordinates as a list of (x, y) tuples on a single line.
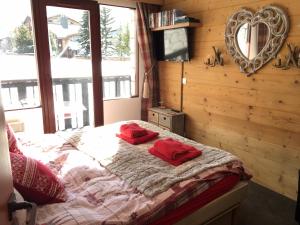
[(18, 71), (71, 67), (69, 63)]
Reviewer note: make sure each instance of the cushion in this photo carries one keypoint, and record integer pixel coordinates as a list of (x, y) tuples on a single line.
[(12, 141), (35, 181)]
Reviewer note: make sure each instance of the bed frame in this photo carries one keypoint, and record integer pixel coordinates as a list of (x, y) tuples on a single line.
[(220, 211)]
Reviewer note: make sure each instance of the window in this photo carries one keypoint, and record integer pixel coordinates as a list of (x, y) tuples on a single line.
[(71, 67), (119, 52), (69, 55), (18, 72)]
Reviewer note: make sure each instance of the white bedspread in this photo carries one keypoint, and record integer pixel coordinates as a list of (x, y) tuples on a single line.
[(134, 164)]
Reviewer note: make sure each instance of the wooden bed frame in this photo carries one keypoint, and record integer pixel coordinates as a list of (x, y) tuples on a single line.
[(220, 211)]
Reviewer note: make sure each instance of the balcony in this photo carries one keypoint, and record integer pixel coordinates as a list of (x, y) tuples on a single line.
[(72, 97)]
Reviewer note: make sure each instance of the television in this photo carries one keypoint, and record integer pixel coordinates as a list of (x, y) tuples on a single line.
[(173, 45)]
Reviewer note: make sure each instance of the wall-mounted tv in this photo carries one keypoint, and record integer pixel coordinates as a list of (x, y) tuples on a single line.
[(173, 45)]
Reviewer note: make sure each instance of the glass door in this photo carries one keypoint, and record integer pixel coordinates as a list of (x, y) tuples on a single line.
[(69, 62), (18, 72), (71, 67)]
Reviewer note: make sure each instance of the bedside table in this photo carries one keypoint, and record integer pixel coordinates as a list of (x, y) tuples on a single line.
[(167, 119)]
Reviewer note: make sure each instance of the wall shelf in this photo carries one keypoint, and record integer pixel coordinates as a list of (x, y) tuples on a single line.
[(178, 25)]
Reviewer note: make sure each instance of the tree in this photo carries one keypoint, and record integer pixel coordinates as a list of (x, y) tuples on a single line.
[(84, 34), (23, 41), (126, 41), (107, 31), (122, 42)]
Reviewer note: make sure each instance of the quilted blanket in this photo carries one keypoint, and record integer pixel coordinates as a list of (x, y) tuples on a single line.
[(97, 196), (141, 170)]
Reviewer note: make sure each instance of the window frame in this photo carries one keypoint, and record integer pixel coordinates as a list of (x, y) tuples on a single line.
[(137, 58), (39, 15)]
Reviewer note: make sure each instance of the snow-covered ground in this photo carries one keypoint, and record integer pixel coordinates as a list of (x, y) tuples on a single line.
[(22, 67)]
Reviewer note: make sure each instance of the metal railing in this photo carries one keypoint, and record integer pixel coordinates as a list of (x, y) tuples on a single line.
[(73, 97)]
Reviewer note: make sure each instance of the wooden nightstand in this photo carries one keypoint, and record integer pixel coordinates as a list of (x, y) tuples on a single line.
[(167, 119)]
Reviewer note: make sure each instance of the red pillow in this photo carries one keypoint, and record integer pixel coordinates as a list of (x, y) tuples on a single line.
[(35, 181), (12, 141)]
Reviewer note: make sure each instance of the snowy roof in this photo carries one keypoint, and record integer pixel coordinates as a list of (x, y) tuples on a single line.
[(61, 32)]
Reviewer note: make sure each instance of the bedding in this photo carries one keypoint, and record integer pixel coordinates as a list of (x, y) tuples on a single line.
[(35, 181), (97, 195), (147, 173), (215, 191), (12, 141)]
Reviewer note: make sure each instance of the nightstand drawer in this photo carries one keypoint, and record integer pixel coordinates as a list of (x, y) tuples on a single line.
[(167, 119), (164, 120), (153, 117)]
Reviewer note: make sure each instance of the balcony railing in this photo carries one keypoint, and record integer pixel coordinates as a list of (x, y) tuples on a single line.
[(73, 97)]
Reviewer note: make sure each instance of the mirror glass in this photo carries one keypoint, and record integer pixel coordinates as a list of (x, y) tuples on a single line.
[(252, 39)]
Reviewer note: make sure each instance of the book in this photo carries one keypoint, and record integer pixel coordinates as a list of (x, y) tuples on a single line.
[(164, 18)]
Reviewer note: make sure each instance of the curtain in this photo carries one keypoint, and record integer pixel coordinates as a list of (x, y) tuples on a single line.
[(150, 90)]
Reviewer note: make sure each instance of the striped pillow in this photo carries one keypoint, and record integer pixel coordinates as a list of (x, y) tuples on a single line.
[(35, 181), (12, 141)]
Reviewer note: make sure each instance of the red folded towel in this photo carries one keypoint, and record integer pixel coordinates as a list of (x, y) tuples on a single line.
[(139, 140), (132, 130), (171, 148), (174, 152)]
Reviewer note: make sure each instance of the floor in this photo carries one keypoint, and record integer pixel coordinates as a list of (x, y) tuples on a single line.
[(265, 207)]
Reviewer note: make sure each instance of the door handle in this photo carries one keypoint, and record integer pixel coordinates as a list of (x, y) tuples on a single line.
[(13, 206)]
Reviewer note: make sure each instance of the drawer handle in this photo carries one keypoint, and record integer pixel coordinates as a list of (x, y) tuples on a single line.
[(165, 118), (153, 114)]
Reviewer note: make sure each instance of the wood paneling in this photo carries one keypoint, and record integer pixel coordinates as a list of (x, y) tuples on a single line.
[(170, 86), (257, 117)]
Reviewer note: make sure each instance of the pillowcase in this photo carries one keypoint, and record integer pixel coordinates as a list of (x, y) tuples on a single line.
[(35, 181), (12, 141)]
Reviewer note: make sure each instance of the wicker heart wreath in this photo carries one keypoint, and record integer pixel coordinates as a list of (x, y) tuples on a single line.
[(276, 24)]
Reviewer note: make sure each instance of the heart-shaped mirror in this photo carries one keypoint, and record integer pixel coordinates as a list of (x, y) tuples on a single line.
[(254, 39), (251, 40)]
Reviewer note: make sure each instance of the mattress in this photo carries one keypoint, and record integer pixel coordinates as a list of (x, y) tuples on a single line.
[(97, 196)]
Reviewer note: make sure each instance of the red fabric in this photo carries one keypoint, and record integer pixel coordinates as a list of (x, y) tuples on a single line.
[(139, 140), (12, 141), (174, 152), (132, 130), (173, 149), (145, 41), (199, 201), (35, 181)]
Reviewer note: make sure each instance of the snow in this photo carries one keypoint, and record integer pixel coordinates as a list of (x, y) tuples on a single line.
[(22, 67)]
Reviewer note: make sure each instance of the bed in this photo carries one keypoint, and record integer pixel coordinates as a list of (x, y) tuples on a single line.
[(108, 181)]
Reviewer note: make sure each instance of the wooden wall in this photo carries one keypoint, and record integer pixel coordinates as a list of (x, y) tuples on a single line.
[(257, 117)]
